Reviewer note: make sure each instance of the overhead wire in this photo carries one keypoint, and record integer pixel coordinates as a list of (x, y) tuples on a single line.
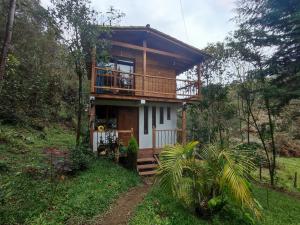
[(183, 18)]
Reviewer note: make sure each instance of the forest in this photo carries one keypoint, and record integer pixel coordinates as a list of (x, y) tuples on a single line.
[(241, 164)]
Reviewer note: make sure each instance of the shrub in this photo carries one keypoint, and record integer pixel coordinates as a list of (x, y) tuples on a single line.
[(3, 166), (132, 151), (80, 157), (207, 180)]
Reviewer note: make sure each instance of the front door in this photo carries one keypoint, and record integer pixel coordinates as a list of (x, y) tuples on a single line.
[(127, 119)]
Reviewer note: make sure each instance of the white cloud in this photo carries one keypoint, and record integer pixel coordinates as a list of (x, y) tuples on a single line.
[(206, 20)]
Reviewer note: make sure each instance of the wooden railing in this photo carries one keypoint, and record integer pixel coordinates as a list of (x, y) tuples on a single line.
[(112, 137), (163, 137), (110, 81)]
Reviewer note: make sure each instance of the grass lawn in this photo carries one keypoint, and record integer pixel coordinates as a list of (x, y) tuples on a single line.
[(160, 209), (285, 173), (26, 199)]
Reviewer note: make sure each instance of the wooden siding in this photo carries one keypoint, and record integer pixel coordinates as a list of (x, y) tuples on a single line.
[(153, 87)]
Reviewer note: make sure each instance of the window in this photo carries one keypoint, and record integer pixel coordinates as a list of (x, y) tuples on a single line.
[(106, 116), (145, 119), (123, 79), (168, 113), (161, 115), (153, 116)]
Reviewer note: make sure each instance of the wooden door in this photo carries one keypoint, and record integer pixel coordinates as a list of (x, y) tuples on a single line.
[(127, 119)]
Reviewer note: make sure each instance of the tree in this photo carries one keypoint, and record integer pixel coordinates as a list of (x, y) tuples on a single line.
[(273, 25), (78, 22), (37, 87), (8, 35), (261, 85), (213, 111)]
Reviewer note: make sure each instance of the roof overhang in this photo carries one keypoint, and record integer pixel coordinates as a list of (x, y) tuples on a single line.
[(183, 55)]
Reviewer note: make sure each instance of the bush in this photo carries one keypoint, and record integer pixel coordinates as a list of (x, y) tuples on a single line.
[(132, 151), (80, 157), (206, 180), (3, 166)]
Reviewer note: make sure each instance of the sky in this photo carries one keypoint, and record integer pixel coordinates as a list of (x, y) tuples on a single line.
[(197, 23)]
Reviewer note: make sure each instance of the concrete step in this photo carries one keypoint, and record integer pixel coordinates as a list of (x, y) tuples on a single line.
[(147, 166), (147, 173), (148, 159)]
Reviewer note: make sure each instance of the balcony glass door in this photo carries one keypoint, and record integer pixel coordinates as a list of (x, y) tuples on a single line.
[(125, 76)]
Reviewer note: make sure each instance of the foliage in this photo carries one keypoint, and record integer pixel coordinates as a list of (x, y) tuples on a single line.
[(80, 33), (3, 166), (34, 198), (80, 157), (37, 86), (78, 198), (161, 209), (207, 179), (213, 114), (132, 150), (274, 24)]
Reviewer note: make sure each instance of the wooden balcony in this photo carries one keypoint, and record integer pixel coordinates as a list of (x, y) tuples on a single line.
[(110, 82)]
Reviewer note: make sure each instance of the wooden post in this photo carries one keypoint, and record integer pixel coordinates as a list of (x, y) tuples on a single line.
[(92, 115), (184, 125), (144, 65), (199, 73), (131, 133), (93, 72), (153, 140), (295, 180)]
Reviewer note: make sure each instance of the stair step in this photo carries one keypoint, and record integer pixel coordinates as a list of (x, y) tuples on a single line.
[(150, 159), (147, 166), (147, 173)]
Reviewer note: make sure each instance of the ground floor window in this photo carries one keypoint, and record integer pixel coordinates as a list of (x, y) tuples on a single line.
[(146, 120), (161, 115), (106, 116)]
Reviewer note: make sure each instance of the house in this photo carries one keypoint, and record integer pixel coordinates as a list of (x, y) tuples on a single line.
[(142, 89)]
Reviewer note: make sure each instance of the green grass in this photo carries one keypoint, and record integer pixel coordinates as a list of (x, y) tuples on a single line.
[(160, 209), (286, 168), (34, 199), (20, 147)]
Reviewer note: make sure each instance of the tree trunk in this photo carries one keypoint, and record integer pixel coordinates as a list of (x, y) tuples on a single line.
[(264, 146), (7, 38), (248, 127), (79, 113), (273, 164), (239, 114)]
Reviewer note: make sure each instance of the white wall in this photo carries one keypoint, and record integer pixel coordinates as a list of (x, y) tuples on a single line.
[(145, 140)]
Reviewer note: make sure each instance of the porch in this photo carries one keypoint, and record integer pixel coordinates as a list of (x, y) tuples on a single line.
[(115, 138)]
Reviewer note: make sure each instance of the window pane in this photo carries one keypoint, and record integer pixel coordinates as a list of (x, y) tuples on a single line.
[(161, 115), (168, 113), (145, 119)]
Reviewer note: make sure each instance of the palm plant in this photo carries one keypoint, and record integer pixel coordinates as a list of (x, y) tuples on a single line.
[(207, 179)]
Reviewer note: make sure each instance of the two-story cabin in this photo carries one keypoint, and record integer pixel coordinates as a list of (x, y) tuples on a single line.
[(142, 90)]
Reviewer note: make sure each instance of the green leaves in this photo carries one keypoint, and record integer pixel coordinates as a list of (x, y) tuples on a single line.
[(204, 178)]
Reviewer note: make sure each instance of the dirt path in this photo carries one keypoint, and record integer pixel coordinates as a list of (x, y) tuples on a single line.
[(123, 208)]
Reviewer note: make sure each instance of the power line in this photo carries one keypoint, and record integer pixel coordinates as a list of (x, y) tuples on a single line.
[(182, 15)]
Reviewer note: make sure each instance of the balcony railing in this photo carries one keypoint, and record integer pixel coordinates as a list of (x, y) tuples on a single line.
[(116, 82)]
